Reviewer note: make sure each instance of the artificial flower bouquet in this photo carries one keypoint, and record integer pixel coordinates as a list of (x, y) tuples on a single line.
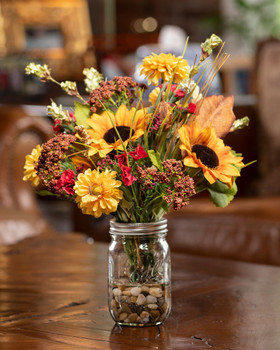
[(119, 152), (134, 158)]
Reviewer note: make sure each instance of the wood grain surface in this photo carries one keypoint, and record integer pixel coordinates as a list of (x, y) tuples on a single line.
[(53, 296)]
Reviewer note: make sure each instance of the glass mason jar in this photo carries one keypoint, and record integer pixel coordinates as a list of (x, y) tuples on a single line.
[(139, 269)]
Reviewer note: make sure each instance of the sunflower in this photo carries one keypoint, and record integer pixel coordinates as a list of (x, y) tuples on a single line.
[(163, 66), (130, 124), (30, 174), (97, 192), (203, 149)]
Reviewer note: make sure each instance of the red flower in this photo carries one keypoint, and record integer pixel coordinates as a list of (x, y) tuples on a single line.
[(71, 114), (122, 159), (192, 108), (139, 153), (178, 93), (127, 178), (56, 126), (66, 182)]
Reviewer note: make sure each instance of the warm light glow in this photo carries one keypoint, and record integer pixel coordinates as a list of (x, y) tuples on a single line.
[(142, 25), (150, 24)]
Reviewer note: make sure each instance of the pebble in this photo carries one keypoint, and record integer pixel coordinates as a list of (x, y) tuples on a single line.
[(145, 290), (127, 293), (123, 316), (141, 299), (141, 305), (151, 299), (155, 314), (156, 292), (145, 320), (144, 314), (135, 291), (132, 317), (117, 292), (133, 299)]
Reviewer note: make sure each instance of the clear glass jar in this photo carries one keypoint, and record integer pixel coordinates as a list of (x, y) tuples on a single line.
[(139, 270)]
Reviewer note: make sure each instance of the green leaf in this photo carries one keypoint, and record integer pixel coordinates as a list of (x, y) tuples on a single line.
[(159, 209), (220, 194), (126, 204), (82, 113), (155, 159)]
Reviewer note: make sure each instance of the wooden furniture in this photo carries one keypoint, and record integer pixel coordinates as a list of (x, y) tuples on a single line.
[(248, 229), (44, 31), (20, 132), (53, 295), (268, 90)]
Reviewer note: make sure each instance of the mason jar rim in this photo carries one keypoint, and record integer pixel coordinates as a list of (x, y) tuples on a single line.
[(138, 228)]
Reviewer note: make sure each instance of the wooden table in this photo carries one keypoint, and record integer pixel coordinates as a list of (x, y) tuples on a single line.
[(53, 295)]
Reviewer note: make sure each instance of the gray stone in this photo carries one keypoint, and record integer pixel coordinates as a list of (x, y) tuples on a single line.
[(141, 299), (151, 299), (117, 292), (135, 291)]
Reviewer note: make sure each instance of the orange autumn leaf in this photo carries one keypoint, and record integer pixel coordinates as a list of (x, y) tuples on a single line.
[(217, 112), (82, 161)]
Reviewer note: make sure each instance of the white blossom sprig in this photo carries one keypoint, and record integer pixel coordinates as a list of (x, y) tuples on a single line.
[(56, 112), (92, 78), (190, 86), (41, 72)]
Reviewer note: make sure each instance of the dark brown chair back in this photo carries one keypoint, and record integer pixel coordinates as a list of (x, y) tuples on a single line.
[(268, 92), (19, 134)]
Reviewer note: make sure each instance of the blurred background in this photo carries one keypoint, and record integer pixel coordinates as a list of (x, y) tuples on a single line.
[(113, 36)]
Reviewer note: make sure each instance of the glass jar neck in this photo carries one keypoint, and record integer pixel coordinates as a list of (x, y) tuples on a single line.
[(138, 229)]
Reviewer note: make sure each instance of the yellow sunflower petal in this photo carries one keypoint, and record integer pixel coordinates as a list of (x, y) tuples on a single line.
[(100, 125), (30, 174), (205, 150)]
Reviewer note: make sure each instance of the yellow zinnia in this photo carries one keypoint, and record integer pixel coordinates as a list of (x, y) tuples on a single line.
[(130, 124), (164, 66), (30, 174), (154, 95), (97, 192), (203, 149)]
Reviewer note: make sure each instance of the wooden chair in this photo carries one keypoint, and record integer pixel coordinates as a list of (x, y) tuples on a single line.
[(19, 213), (247, 230), (267, 74)]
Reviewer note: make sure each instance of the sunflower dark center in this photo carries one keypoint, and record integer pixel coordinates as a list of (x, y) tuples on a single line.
[(111, 135), (206, 155)]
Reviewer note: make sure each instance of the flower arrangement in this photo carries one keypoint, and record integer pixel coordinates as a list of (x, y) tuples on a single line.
[(120, 154)]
